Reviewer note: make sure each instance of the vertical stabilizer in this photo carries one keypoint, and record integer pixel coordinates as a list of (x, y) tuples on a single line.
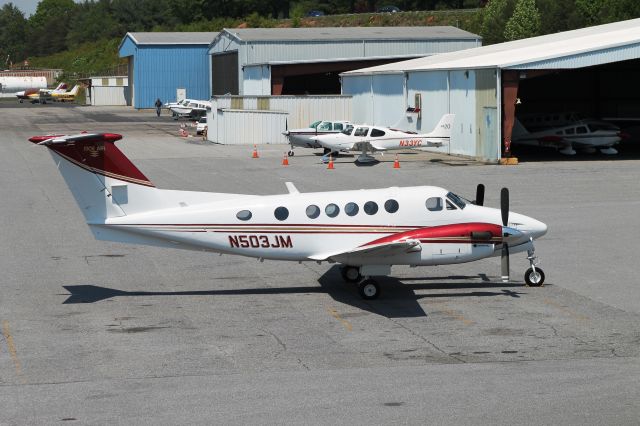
[(104, 182)]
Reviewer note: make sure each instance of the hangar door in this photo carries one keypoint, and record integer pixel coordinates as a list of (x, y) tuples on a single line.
[(224, 72), (388, 99)]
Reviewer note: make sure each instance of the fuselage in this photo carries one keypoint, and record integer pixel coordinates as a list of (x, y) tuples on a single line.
[(305, 137), (313, 226), (378, 138)]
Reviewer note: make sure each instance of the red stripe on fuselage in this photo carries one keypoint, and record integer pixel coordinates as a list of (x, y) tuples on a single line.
[(456, 233)]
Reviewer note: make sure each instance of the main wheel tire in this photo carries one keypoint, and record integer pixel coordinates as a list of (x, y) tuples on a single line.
[(369, 289), (291, 153), (534, 279), (350, 273)]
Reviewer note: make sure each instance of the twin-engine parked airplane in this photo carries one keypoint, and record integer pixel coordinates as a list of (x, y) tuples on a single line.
[(367, 139), (367, 231)]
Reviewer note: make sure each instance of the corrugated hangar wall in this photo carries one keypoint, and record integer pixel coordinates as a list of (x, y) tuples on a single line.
[(158, 70), (382, 99), (256, 57)]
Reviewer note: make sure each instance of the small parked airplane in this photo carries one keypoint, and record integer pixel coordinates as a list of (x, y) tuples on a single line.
[(585, 134), (367, 231), (367, 139), (40, 95), (304, 137), (191, 108), (65, 96)]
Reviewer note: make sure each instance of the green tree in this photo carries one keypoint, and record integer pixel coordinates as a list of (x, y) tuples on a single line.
[(92, 21), (621, 10), (12, 35), (557, 15), (48, 27), (525, 21), (494, 19)]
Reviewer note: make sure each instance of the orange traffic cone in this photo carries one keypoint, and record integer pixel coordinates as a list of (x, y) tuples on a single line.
[(396, 164), (330, 166), (285, 160), (255, 152)]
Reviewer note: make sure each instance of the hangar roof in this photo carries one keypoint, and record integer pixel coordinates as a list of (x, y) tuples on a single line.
[(172, 37), (570, 49), (349, 33)]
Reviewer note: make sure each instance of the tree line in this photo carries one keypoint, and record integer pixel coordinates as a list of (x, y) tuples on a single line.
[(59, 25)]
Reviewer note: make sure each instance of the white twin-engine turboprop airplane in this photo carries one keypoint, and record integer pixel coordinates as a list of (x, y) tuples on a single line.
[(367, 231), (365, 138)]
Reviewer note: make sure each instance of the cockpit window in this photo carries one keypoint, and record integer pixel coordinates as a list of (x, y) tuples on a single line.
[(361, 131), (455, 199), (348, 129), (325, 125), (338, 126), (376, 133), (314, 124)]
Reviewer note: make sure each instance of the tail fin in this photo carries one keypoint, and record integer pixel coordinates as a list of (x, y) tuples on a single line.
[(104, 182), (74, 91), (518, 129), (408, 122), (61, 86), (443, 128)]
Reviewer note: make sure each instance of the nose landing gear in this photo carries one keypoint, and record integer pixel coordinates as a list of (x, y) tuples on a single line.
[(534, 277)]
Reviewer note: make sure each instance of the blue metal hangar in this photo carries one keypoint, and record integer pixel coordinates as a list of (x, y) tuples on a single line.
[(167, 66), (591, 71), (299, 61)]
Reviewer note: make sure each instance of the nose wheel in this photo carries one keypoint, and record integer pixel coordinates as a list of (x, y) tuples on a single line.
[(534, 276)]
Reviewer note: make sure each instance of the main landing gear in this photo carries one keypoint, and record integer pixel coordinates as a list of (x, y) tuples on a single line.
[(534, 276), (367, 287)]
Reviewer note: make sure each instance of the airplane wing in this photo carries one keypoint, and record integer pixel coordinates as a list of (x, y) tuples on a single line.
[(386, 249), (364, 146)]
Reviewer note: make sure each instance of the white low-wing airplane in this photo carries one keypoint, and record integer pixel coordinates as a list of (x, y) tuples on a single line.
[(367, 231), (303, 137), (365, 138), (586, 135)]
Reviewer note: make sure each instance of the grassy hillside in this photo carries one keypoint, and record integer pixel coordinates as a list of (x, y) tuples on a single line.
[(89, 58)]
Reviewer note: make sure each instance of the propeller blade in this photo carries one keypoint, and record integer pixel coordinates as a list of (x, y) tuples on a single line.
[(286, 124), (504, 262), (479, 195), (504, 206)]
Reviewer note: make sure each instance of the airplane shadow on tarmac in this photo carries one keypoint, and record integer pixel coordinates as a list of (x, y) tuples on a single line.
[(397, 300)]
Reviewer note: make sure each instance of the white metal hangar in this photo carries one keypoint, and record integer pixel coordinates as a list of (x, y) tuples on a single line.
[(298, 61), (591, 71)]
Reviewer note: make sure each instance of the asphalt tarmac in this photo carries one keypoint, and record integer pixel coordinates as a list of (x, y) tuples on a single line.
[(106, 333)]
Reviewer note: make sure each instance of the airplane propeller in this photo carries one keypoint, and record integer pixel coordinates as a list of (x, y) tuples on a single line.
[(479, 201), (504, 209)]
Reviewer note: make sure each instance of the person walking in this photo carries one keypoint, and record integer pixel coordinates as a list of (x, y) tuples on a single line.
[(158, 105)]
